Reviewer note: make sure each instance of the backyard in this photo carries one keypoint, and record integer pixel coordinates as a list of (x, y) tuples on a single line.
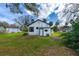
[(17, 44)]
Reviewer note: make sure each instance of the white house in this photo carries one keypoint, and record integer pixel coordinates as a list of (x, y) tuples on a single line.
[(12, 28), (40, 28)]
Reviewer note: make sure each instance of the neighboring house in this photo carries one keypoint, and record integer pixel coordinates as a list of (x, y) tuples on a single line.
[(12, 28), (9, 29), (40, 28), (65, 28)]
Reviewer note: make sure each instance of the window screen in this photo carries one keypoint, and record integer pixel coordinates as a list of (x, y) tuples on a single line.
[(31, 29)]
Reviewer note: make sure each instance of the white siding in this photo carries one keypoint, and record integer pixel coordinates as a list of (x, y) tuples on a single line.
[(39, 24), (48, 32)]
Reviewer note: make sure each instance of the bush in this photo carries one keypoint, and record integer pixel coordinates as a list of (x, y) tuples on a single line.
[(25, 34), (71, 39), (55, 29)]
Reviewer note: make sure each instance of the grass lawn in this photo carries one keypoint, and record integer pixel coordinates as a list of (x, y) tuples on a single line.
[(16, 44)]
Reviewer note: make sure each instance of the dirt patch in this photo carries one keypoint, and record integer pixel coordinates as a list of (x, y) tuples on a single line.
[(57, 51)]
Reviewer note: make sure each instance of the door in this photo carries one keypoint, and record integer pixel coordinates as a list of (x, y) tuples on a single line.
[(41, 32)]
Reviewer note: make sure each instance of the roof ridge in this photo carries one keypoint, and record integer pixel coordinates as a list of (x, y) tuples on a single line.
[(36, 21)]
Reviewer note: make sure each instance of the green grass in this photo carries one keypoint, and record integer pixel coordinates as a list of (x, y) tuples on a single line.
[(10, 35), (56, 34), (17, 44)]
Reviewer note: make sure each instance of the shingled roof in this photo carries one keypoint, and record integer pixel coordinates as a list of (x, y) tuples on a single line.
[(38, 20)]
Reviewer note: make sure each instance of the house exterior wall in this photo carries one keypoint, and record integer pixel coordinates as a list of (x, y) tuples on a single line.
[(40, 24), (9, 30), (48, 32)]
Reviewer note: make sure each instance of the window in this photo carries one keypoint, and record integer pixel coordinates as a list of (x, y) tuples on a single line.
[(31, 29), (46, 30), (36, 27)]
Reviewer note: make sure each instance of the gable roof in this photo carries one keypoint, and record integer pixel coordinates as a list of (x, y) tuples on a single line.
[(38, 20)]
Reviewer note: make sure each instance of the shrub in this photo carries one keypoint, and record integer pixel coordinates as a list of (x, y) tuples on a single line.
[(25, 34), (55, 29), (71, 39)]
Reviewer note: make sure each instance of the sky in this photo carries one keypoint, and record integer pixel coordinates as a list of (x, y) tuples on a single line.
[(46, 10)]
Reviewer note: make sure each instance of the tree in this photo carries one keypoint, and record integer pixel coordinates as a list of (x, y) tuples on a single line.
[(69, 12), (55, 28), (23, 21), (71, 39), (14, 7), (1, 24), (50, 23), (32, 20), (4, 24), (45, 20), (57, 23), (66, 28)]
